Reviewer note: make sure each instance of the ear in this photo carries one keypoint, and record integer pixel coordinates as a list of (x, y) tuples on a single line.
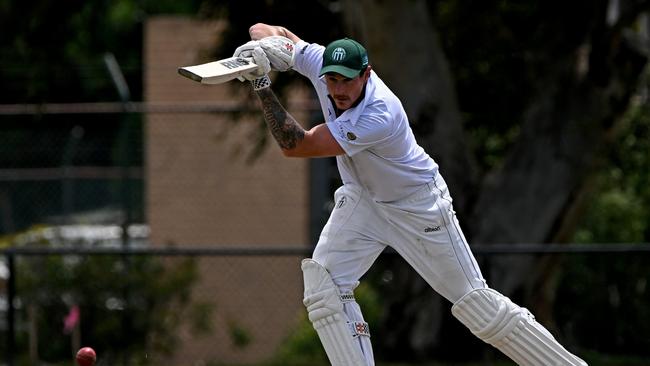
[(366, 74)]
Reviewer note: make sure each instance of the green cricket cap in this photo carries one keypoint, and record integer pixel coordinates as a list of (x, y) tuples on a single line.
[(346, 57)]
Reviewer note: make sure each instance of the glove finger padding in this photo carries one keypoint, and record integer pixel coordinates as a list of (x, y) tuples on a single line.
[(262, 62), (280, 52), (246, 50)]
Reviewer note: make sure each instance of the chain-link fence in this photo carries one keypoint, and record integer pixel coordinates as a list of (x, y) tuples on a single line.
[(69, 167), (143, 305)]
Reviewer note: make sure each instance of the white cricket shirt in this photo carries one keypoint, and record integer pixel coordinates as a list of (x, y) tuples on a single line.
[(381, 153)]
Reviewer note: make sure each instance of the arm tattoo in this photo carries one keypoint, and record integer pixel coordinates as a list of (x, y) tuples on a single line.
[(284, 128)]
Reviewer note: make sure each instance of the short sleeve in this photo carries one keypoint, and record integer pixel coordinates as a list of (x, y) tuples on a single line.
[(373, 126), (309, 58)]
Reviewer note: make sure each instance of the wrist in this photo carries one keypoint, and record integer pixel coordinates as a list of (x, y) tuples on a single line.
[(261, 83)]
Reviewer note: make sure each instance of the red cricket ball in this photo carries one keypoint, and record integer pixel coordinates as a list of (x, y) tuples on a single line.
[(86, 357)]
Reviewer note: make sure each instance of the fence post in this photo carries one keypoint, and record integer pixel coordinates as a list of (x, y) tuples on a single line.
[(11, 293)]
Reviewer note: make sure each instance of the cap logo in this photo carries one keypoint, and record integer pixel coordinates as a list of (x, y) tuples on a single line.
[(338, 54)]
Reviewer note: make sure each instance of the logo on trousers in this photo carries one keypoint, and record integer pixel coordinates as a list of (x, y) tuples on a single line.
[(430, 229)]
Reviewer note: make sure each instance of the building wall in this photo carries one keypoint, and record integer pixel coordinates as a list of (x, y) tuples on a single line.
[(203, 190)]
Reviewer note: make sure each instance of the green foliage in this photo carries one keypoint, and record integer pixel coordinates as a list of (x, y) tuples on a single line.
[(130, 306), (54, 51), (613, 290), (620, 211), (612, 295), (494, 80), (616, 215), (502, 55), (303, 347), (240, 17), (239, 336)]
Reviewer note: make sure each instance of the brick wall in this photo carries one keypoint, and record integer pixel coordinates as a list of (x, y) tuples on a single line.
[(202, 190)]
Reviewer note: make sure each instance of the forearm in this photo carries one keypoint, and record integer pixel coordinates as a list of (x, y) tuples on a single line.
[(261, 30), (285, 129)]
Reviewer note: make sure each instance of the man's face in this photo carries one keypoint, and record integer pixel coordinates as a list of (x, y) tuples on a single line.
[(345, 91)]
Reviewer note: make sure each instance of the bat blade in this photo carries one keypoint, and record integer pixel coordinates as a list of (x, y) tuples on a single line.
[(218, 72)]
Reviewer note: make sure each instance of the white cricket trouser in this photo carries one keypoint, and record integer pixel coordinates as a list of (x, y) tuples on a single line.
[(422, 228)]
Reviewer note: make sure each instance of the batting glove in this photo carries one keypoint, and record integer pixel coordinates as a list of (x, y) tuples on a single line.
[(246, 50), (259, 77), (280, 51)]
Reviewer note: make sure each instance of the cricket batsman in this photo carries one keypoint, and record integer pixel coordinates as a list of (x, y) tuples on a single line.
[(392, 195)]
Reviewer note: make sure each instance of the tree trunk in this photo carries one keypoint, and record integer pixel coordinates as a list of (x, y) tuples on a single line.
[(565, 131)]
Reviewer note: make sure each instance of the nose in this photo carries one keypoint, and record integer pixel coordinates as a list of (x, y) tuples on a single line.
[(336, 88), (339, 89)]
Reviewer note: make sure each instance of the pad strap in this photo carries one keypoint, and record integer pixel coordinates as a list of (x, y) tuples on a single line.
[(347, 297)]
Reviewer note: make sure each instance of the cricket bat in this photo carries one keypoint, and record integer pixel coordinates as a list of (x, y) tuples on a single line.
[(218, 72)]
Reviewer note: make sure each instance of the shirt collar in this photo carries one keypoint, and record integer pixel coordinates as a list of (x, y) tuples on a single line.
[(352, 114)]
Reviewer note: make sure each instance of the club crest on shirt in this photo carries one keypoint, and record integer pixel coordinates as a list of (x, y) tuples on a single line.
[(341, 202), (351, 136)]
